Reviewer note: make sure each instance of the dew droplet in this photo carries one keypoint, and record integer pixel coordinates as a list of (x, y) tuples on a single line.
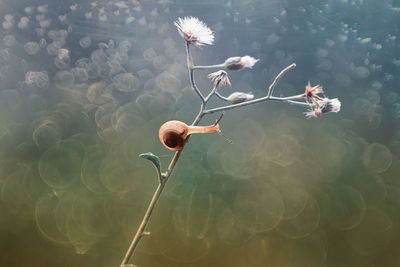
[(38, 79), (126, 82), (85, 42), (373, 234), (80, 74), (168, 82), (42, 43), (149, 54), (377, 157), (64, 79), (23, 23), (63, 58), (60, 165), (361, 72), (9, 40), (125, 46), (345, 207), (31, 48), (304, 224)]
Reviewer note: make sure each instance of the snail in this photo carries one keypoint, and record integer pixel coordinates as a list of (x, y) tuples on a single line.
[(173, 134)]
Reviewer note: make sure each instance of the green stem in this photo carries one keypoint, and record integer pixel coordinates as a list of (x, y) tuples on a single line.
[(140, 232)]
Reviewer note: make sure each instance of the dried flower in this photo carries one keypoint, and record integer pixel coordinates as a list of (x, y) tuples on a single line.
[(236, 63), (239, 97), (330, 105), (325, 105), (311, 94), (194, 31), (312, 113), (220, 78)]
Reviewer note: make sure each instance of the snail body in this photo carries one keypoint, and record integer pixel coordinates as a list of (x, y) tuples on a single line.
[(173, 134)]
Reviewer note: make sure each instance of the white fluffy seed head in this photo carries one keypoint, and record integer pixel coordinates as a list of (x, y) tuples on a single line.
[(326, 105), (330, 105), (335, 105), (248, 61), (194, 31), (237, 63)]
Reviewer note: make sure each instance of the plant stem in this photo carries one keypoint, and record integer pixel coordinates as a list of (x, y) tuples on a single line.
[(178, 153), (190, 66), (258, 100), (221, 96), (140, 232), (271, 87), (218, 66), (163, 177)]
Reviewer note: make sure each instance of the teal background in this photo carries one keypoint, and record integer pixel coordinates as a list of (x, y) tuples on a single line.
[(289, 192)]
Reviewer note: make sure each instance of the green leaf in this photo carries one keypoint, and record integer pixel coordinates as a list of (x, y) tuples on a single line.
[(153, 158)]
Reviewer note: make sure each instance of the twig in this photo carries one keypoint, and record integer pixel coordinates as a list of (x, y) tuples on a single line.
[(140, 232), (163, 177), (258, 100), (218, 66), (213, 91), (221, 96), (190, 66), (271, 87), (298, 103)]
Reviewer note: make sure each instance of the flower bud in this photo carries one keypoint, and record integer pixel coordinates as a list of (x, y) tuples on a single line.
[(237, 63), (239, 97), (220, 78), (325, 105), (330, 105)]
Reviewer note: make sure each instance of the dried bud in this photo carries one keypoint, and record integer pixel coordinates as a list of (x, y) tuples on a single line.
[(326, 105), (220, 78), (311, 94), (239, 97), (330, 105), (312, 113), (237, 63)]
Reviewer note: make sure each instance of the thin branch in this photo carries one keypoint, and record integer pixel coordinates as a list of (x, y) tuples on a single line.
[(190, 66), (213, 91), (258, 100), (221, 96), (178, 153), (140, 232), (218, 66), (277, 78), (163, 177), (305, 104)]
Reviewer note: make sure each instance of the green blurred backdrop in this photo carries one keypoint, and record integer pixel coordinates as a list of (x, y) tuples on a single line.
[(85, 85)]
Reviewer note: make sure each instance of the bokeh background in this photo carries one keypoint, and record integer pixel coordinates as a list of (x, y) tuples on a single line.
[(85, 85)]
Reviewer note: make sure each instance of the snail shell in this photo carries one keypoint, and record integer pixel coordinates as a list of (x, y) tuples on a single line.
[(173, 134)]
